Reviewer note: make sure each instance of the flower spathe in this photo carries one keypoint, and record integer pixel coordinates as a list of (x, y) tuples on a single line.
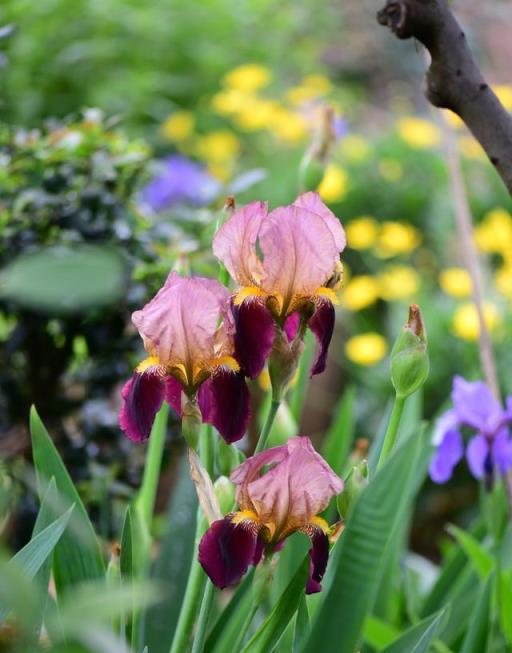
[(273, 504), (489, 449), (287, 266), (188, 333)]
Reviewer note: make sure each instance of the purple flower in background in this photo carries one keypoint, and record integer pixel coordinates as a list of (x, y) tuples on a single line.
[(340, 126), (180, 181), (488, 449)]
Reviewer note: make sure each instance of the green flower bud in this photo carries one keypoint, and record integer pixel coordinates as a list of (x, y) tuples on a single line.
[(283, 362), (315, 160), (409, 356), (191, 422), (356, 481), (228, 457), (225, 493)]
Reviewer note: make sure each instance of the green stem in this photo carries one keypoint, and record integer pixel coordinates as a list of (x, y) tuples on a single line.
[(151, 475), (267, 427), (204, 617), (206, 448), (245, 627), (392, 431), (299, 391)]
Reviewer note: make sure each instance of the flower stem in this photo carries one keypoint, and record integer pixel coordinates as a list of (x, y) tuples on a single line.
[(204, 616), (299, 391), (267, 427), (245, 627), (392, 431)]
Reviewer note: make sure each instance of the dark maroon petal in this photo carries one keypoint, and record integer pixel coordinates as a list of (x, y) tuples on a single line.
[(254, 335), (319, 554), (143, 395), (291, 325), (173, 390), (224, 401), (226, 550), (322, 325), (258, 551)]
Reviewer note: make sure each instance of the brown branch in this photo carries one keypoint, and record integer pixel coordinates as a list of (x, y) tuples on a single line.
[(454, 80)]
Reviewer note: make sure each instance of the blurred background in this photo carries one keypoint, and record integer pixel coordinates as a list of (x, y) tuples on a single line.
[(123, 127)]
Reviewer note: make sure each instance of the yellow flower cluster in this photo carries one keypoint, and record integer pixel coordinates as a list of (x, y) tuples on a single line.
[(366, 348), (465, 323), (387, 238), (418, 133), (393, 283)]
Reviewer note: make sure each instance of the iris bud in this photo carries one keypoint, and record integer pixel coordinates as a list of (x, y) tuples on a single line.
[(225, 493), (409, 356), (356, 481)]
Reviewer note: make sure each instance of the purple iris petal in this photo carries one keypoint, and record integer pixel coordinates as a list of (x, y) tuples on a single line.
[(475, 405), (173, 391), (319, 554), (322, 325), (254, 335), (224, 400), (180, 181), (291, 325), (502, 451), (477, 453), (143, 395), (448, 454), (448, 421), (226, 550)]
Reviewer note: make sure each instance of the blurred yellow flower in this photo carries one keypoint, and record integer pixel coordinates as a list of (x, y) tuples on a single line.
[(319, 83), (311, 88), (354, 148), (231, 101), (494, 233), (257, 115), (360, 292), (465, 320), (504, 93), (504, 280), (453, 119), (178, 126), (222, 171), (398, 282), (419, 133), (218, 146), (362, 232), (471, 148), (334, 185), (397, 238), (366, 348), (456, 282), (248, 77), (287, 126), (390, 169)]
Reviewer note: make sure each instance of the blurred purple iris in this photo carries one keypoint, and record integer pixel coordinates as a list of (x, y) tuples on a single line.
[(180, 181), (489, 449)]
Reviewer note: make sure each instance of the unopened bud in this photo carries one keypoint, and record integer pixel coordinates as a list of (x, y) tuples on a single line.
[(355, 483), (283, 362), (225, 493), (409, 356), (228, 457), (191, 421), (313, 164)]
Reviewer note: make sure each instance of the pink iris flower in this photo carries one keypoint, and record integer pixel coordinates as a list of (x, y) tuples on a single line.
[(296, 486), (287, 264), (188, 333)]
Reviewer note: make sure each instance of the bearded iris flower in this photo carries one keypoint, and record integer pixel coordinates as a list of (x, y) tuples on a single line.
[(279, 491), (287, 266), (188, 333), (475, 408)]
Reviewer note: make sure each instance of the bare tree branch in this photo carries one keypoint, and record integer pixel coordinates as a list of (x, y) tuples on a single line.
[(454, 80)]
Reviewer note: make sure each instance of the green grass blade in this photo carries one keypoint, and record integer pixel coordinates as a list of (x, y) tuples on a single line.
[(477, 635), (356, 563), (77, 556), (340, 435), (475, 551), (33, 555), (269, 633), (418, 638)]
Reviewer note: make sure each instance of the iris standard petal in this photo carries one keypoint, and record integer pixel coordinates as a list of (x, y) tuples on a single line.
[(224, 401), (254, 335), (180, 324), (449, 452), (226, 550), (235, 244), (142, 395), (299, 253), (312, 202), (322, 325), (475, 406)]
